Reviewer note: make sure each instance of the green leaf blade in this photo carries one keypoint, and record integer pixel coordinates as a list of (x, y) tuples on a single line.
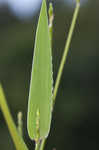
[(40, 96)]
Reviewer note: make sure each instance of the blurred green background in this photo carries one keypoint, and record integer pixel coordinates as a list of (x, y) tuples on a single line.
[(75, 120)]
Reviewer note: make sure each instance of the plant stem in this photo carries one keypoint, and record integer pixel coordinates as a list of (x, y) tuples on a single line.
[(18, 141), (42, 144), (67, 46), (69, 38), (39, 145)]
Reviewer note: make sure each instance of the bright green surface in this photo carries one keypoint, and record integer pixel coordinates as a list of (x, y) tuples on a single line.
[(40, 96)]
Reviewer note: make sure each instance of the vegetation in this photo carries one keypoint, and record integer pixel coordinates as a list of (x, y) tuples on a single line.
[(42, 94)]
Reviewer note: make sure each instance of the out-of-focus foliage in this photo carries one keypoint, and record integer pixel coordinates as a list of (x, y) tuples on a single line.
[(75, 119)]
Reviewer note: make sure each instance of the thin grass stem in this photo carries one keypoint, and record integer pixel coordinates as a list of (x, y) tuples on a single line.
[(18, 141), (39, 145), (42, 144), (67, 46)]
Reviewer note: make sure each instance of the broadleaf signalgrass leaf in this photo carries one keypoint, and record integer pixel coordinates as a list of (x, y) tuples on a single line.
[(40, 95)]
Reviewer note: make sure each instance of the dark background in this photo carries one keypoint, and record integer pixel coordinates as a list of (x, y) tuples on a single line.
[(76, 115)]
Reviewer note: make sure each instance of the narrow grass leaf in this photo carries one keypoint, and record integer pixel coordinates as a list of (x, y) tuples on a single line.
[(18, 141), (40, 96)]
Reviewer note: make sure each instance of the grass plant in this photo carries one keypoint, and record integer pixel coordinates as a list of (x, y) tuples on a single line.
[(42, 93)]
